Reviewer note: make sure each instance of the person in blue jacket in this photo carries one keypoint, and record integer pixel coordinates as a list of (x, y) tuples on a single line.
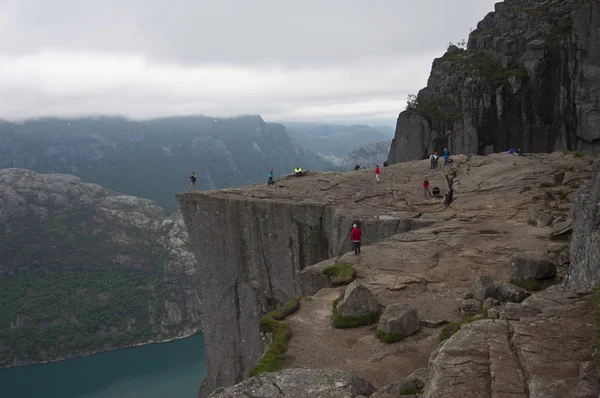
[(270, 177)]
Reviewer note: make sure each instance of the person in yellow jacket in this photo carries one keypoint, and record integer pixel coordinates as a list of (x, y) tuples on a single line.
[(298, 171)]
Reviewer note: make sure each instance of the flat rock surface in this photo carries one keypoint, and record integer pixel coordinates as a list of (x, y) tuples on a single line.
[(431, 268)]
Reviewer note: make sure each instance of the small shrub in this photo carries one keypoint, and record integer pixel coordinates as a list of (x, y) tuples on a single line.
[(413, 391), (469, 296), (352, 321), (342, 274), (533, 286), (389, 337), (273, 357), (547, 184)]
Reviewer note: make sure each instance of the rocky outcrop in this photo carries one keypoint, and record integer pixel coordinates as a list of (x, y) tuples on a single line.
[(299, 383), (125, 268), (527, 79), (542, 349), (584, 269)]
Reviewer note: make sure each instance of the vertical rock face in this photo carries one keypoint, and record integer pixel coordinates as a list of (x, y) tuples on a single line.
[(250, 253), (584, 269), (528, 79)]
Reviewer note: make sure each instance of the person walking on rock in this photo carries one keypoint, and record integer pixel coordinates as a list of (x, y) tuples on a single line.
[(192, 182), (432, 161), (270, 177), (377, 173), (426, 188), (355, 238)]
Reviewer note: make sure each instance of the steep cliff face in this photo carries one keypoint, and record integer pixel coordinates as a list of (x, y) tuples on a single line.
[(584, 270), (529, 78), (84, 269), (251, 245)]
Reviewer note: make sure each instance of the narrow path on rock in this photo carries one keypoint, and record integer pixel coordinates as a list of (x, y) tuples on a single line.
[(317, 344)]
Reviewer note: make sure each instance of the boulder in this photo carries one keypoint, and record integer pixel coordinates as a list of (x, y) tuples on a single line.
[(483, 287), (398, 322), (358, 301), (408, 386), (490, 302), (470, 307), (512, 293), (531, 266), (562, 229), (495, 313), (539, 218), (299, 383)]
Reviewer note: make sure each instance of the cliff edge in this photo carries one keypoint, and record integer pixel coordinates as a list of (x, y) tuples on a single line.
[(527, 79), (253, 243)]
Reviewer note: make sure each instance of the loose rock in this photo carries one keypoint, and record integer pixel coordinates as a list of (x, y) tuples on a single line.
[(358, 301), (490, 302), (397, 322), (470, 307), (512, 293), (531, 266), (483, 287), (539, 218)]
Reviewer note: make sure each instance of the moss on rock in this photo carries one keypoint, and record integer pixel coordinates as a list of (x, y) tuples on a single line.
[(342, 274)]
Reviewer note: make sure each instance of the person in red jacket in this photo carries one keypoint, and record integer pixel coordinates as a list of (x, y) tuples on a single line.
[(377, 173), (355, 238), (426, 187)]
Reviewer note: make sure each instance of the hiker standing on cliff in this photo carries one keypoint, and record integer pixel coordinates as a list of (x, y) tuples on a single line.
[(426, 188), (193, 182), (270, 177), (355, 238), (377, 173)]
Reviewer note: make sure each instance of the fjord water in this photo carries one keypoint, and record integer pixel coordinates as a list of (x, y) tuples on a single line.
[(166, 370)]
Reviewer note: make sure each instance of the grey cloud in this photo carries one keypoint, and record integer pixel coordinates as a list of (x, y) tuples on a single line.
[(306, 59)]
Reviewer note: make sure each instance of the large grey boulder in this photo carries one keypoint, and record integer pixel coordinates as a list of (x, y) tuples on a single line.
[(512, 293), (584, 268), (531, 266), (398, 322), (299, 383), (358, 301), (483, 287)]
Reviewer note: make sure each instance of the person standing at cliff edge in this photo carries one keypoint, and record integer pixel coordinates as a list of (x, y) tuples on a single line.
[(377, 173), (193, 182), (355, 238), (270, 177)]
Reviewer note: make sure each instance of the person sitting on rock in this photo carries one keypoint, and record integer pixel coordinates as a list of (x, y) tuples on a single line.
[(436, 192), (298, 171), (193, 182), (270, 177), (426, 188), (357, 167), (355, 238)]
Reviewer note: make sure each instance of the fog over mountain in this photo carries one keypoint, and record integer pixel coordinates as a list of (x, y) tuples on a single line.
[(350, 61)]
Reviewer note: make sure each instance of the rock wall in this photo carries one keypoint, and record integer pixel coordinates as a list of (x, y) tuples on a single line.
[(584, 269), (529, 78), (250, 253)]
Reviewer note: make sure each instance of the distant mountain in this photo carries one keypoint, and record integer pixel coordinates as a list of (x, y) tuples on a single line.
[(84, 269), (333, 142), (368, 155), (153, 159)]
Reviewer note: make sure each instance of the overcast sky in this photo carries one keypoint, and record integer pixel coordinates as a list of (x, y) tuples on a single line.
[(311, 60)]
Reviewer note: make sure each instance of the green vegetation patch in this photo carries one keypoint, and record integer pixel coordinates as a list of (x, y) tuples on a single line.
[(389, 337), (577, 154), (272, 359), (72, 310), (533, 286), (342, 274), (485, 66), (352, 321), (469, 296), (453, 327)]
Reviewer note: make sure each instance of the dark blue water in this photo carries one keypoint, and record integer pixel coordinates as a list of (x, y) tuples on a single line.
[(168, 370)]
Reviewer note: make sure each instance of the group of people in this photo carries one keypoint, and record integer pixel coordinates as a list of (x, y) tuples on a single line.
[(434, 159)]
